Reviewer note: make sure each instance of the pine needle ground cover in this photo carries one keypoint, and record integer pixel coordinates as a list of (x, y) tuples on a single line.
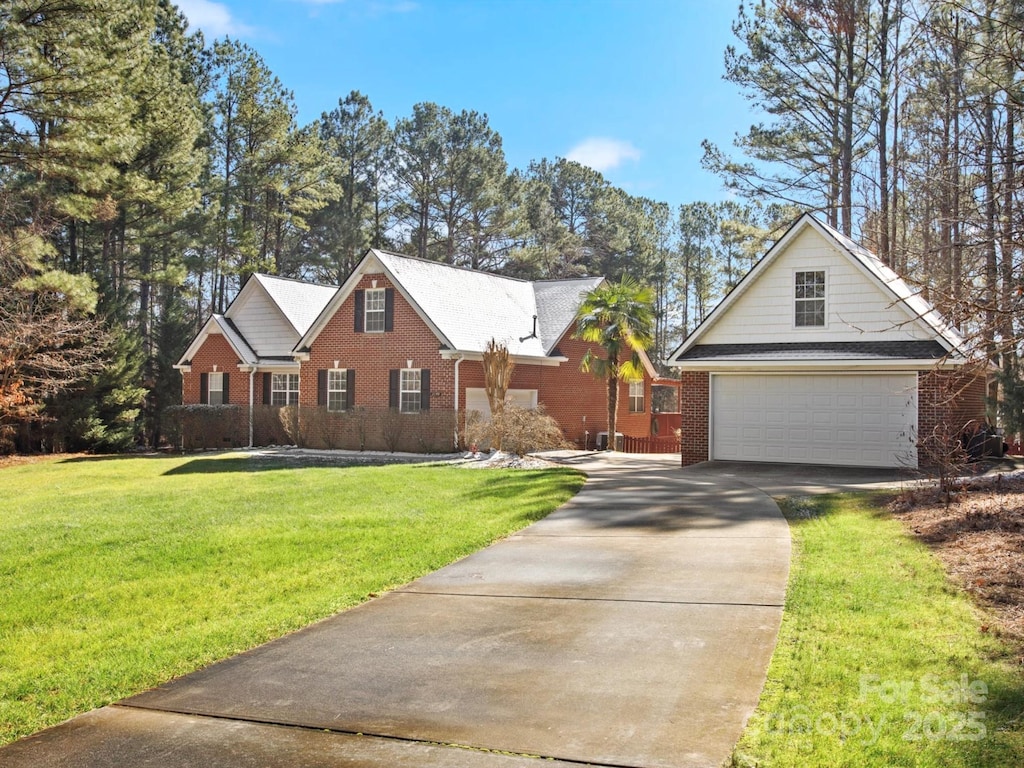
[(117, 574), (881, 659)]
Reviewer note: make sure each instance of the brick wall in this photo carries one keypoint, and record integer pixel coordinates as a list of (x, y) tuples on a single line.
[(374, 355), (216, 352), (570, 394), (955, 399), (695, 401)]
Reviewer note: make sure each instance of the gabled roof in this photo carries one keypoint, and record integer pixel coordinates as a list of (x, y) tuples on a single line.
[(916, 307), (222, 325), (299, 302), (466, 308)]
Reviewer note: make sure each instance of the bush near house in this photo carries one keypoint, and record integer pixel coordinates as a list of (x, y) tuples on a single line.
[(521, 430), (214, 427)]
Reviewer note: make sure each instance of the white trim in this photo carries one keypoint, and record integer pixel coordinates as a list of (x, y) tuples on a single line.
[(462, 354), (749, 366), (217, 325)]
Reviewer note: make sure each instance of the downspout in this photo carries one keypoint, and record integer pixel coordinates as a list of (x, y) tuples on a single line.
[(456, 435), (252, 377)]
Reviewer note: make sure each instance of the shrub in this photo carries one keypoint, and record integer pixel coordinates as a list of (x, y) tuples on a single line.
[(193, 427), (517, 430)]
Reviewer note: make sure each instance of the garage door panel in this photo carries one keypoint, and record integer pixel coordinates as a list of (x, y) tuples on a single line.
[(866, 420)]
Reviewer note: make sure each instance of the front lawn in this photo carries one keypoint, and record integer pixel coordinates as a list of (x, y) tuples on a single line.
[(117, 574), (881, 661)]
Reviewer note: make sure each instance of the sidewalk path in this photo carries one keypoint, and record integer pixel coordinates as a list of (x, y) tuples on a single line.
[(632, 627)]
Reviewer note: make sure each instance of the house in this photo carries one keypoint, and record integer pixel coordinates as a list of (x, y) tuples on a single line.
[(823, 355), (393, 358)]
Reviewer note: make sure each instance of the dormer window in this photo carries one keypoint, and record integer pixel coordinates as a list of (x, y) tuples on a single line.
[(375, 306), (809, 299)]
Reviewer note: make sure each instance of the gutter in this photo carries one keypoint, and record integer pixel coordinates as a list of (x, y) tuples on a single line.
[(252, 377), (553, 360), (455, 437)]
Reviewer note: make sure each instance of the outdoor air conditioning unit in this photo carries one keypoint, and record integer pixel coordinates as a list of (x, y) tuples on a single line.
[(602, 441)]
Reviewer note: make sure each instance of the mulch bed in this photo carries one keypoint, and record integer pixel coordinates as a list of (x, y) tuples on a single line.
[(979, 536)]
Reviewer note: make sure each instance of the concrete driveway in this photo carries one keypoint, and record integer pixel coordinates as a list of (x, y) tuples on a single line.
[(632, 627), (802, 479)]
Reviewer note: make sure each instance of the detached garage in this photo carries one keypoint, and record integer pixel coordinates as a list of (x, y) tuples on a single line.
[(823, 355)]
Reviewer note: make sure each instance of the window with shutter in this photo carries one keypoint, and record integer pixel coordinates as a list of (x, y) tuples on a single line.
[(410, 398), (337, 389)]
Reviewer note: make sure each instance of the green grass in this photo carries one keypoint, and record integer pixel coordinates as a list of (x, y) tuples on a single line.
[(880, 660), (117, 574)]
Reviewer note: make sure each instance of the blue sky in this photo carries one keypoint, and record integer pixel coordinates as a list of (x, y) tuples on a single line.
[(629, 87)]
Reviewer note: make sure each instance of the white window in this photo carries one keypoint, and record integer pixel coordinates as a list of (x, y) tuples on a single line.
[(215, 389), (337, 389), (636, 397), (409, 391), (284, 389), (809, 293), (374, 309)]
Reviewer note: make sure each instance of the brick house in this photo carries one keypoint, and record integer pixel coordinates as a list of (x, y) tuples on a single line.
[(393, 358), (823, 355)]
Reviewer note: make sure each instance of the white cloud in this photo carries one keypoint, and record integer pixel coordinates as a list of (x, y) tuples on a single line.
[(213, 18), (603, 154)]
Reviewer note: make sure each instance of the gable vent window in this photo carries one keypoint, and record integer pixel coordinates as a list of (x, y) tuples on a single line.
[(810, 299), (375, 306)]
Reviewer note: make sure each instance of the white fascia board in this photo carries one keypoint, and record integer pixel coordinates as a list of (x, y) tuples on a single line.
[(818, 365), (457, 354), (212, 326)]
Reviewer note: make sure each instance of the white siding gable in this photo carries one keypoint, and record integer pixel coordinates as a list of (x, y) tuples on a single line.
[(265, 327), (857, 307)]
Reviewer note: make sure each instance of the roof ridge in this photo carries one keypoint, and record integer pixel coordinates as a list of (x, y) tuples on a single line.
[(459, 267), (298, 280)]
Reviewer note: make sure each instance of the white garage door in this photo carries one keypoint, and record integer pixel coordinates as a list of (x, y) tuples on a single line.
[(856, 420)]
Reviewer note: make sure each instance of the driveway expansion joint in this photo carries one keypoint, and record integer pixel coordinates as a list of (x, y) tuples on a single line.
[(366, 734), (634, 601)]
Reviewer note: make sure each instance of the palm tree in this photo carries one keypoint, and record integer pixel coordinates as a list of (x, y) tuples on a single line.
[(619, 317)]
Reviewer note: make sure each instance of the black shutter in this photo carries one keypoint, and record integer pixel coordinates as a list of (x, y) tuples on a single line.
[(389, 309), (393, 388), (266, 388), (227, 389), (359, 311), (321, 387), (425, 389), (204, 388), (350, 389)]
